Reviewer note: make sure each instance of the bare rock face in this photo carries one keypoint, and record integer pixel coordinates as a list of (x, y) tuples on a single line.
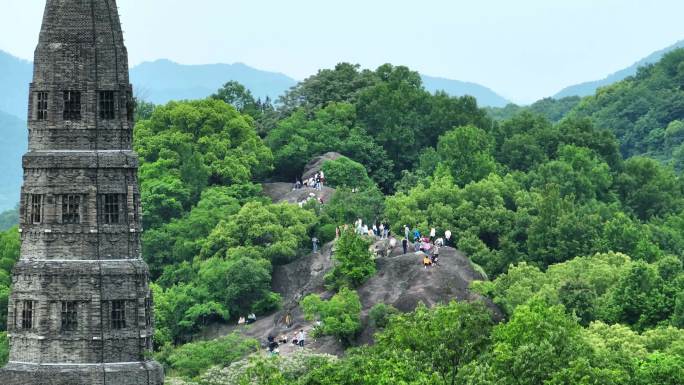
[(403, 282), (316, 164)]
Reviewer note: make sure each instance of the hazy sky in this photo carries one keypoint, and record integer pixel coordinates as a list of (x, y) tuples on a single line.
[(523, 49)]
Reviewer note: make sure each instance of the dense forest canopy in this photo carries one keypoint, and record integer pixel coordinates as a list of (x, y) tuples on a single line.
[(582, 241)]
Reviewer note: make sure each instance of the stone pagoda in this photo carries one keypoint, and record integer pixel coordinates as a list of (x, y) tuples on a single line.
[(80, 312)]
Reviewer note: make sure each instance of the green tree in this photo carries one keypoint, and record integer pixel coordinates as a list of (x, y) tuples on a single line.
[(344, 172), (335, 128), (181, 239), (272, 231), (648, 188), (354, 263), (639, 298), (186, 146), (340, 316), (538, 342), (447, 337), (467, 152), (577, 172), (392, 110), (193, 359), (238, 96), (341, 84), (661, 369), (372, 365)]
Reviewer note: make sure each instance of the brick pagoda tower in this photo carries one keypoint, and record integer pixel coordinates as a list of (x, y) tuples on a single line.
[(80, 312)]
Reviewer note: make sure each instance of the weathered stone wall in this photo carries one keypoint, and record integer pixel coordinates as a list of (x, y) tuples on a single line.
[(91, 265)]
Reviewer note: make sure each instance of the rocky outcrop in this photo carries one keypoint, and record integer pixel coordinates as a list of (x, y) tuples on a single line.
[(401, 281), (316, 164), (283, 193)]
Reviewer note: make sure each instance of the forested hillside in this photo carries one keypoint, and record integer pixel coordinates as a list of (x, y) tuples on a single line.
[(646, 111), (583, 247), (590, 88), (552, 109)]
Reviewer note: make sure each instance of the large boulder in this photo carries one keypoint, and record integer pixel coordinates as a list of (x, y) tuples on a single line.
[(316, 164), (284, 193), (401, 281)]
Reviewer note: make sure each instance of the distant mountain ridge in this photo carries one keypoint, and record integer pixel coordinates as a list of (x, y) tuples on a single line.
[(589, 88), (485, 96), (163, 80)]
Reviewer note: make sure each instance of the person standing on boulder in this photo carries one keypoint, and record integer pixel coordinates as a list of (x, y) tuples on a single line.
[(433, 234), (301, 337), (407, 231), (404, 244), (435, 253)]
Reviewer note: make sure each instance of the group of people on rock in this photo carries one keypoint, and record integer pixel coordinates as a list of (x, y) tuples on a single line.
[(428, 247), (378, 229), (316, 181), (298, 339)]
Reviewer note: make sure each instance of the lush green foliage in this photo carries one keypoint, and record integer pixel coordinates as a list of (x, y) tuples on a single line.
[(340, 316), (380, 314), (193, 359), (186, 146), (644, 111), (211, 237), (607, 287), (446, 337), (266, 370), (354, 263), (4, 348), (381, 119), (271, 231), (9, 254), (552, 109), (304, 135), (344, 172)]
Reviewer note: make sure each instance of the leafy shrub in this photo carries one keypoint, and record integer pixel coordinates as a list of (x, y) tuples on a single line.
[(380, 315), (193, 359), (344, 172), (339, 317), (354, 263), (326, 233)]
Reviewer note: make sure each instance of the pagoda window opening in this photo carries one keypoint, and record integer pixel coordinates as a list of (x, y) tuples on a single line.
[(107, 105), (41, 105), (69, 315), (72, 105), (71, 209), (36, 209), (118, 314), (111, 206), (27, 315)]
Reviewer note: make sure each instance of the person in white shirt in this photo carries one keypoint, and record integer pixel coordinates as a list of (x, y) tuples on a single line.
[(301, 337)]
